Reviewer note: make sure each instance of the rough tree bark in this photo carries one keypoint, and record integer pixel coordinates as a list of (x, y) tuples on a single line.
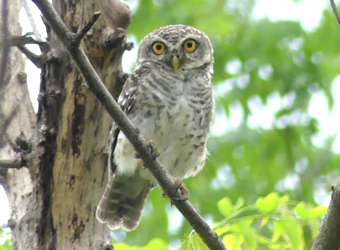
[(72, 43), (63, 168), (16, 118), (329, 233)]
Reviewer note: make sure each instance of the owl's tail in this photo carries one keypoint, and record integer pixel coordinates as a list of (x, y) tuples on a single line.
[(123, 202)]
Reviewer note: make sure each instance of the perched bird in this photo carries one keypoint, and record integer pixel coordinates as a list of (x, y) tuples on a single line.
[(169, 98)]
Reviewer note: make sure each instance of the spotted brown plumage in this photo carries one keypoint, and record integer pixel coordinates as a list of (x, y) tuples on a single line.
[(169, 98)]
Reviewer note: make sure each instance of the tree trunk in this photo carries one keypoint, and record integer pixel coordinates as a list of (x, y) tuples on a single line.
[(67, 154), (16, 118)]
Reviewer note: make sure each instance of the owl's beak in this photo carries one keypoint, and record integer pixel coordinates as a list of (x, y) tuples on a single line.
[(175, 62)]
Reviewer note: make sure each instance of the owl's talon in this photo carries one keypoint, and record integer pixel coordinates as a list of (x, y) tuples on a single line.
[(155, 152), (151, 145), (184, 192)]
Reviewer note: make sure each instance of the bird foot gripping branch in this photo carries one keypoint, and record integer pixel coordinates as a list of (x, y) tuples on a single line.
[(155, 152), (181, 192)]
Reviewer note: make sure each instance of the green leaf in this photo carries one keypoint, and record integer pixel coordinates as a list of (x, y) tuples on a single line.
[(157, 244), (239, 203), (194, 242), (249, 235), (7, 245), (226, 207), (309, 212), (153, 244), (197, 243), (264, 221), (270, 202), (278, 230), (293, 230), (272, 245), (186, 245), (221, 230), (233, 241)]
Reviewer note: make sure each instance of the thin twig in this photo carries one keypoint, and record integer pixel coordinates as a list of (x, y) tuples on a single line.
[(335, 10), (99, 90), (10, 163), (19, 40), (35, 59), (31, 19), (5, 51), (80, 35)]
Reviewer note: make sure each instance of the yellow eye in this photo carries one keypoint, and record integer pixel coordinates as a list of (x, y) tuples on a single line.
[(158, 48), (190, 45)]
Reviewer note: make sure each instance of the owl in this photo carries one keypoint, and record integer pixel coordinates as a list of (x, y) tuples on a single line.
[(169, 98)]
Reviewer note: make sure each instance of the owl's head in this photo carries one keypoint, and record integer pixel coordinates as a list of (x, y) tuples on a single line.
[(178, 47)]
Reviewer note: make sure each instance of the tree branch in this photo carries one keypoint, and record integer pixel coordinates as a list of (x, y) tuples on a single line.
[(98, 88), (335, 10), (35, 59), (80, 35), (328, 236), (5, 51), (20, 42), (31, 19), (10, 164)]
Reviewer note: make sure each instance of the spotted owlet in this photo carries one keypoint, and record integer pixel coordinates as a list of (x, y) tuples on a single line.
[(169, 98)]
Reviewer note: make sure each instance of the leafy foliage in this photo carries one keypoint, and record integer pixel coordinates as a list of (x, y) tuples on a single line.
[(260, 65), (153, 244), (261, 161), (6, 243), (274, 222)]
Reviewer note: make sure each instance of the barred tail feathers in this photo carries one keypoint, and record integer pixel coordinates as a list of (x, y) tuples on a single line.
[(123, 202)]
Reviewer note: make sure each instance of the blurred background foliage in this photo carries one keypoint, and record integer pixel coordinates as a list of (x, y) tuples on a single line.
[(265, 137), (272, 163)]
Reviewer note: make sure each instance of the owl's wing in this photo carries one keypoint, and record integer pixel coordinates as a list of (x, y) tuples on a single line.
[(125, 196), (126, 102)]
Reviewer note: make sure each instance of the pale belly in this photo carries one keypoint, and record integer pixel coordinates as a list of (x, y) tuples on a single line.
[(176, 133)]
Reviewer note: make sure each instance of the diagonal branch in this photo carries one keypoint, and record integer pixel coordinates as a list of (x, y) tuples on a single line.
[(5, 51), (20, 42), (34, 58), (335, 10), (98, 88), (86, 28), (31, 19)]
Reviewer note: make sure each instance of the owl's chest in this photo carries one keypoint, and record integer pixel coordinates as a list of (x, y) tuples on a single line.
[(174, 113), (177, 119), (169, 116)]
